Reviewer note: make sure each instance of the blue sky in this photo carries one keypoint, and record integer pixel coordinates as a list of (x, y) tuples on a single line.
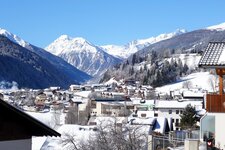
[(103, 22)]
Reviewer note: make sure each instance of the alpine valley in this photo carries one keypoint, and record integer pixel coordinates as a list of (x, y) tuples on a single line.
[(33, 67), (69, 60)]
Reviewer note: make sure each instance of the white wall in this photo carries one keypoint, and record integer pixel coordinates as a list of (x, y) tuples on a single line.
[(16, 145), (220, 130)]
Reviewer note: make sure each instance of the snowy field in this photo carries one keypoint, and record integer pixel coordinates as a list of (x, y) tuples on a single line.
[(203, 80)]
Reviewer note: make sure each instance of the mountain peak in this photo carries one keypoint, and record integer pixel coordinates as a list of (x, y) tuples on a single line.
[(64, 37), (14, 38), (65, 44), (180, 31), (136, 45), (219, 27), (81, 41)]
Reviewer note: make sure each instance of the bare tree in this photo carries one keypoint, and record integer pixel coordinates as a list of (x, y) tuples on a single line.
[(85, 115), (213, 82), (56, 115), (111, 136), (72, 115)]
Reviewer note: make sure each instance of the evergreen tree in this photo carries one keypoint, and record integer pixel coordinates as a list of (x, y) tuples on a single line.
[(134, 59), (145, 67), (123, 66), (141, 70), (154, 57), (127, 62), (145, 80), (188, 119), (131, 71), (185, 68)]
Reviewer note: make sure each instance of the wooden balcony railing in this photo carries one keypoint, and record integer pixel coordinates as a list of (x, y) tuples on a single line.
[(215, 103)]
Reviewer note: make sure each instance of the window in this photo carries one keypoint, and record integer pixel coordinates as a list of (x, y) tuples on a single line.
[(143, 115), (181, 112), (155, 115), (170, 111), (177, 111), (92, 123), (177, 120), (172, 120)]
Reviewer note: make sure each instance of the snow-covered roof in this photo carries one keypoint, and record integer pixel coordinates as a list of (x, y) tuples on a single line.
[(111, 81), (141, 121), (83, 93), (137, 101), (148, 113), (79, 99), (160, 125), (213, 56), (175, 104), (104, 121), (115, 103), (46, 118), (197, 94)]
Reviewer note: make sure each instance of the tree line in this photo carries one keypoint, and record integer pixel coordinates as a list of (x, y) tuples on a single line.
[(152, 69)]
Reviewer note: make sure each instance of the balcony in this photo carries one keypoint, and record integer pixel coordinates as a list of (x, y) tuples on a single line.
[(215, 103)]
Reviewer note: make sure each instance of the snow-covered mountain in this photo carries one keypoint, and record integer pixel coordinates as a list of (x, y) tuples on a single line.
[(219, 27), (67, 72), (14, 38), (82, 54), (126, 50)]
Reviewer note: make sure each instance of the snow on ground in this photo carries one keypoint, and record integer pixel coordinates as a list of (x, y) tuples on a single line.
[(191, 60), (202, 80), (202, 146), (47, 118), (67, 131), (37, 142)]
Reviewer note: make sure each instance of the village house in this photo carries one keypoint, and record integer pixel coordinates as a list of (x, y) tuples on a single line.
[(40, 100), (212, 123), (75, 88), (173, 109), (111, 104), (143, 108)]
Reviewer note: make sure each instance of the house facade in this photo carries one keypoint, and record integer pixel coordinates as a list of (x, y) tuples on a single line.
[(212, 123)]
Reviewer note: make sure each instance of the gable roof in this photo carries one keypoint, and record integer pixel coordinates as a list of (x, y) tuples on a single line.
[(213, 56), (16, 124)]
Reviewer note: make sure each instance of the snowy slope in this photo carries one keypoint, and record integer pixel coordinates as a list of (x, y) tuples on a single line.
[(82, 54), (203, 80), (136, 45), (219, 27), (191, 60), (15, 39)]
